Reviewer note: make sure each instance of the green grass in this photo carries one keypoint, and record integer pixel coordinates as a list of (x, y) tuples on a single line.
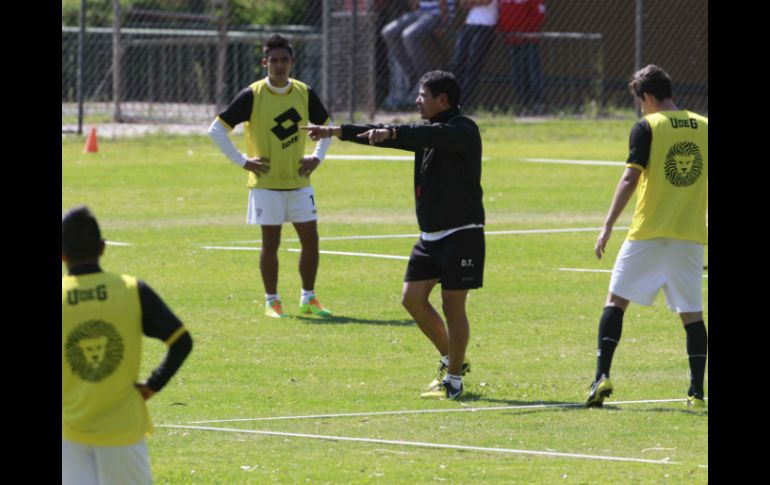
[(533, 328)]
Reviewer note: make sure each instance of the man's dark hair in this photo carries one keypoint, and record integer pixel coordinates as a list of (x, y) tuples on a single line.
[(653, 80), (81, 238), (439, 82), (277, 42)]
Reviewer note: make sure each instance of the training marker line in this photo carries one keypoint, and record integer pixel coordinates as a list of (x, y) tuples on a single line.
[(292, 250), (115, 243), (414, 236), (582, 270), (573, 162), (400, 158), (422, 445), (433, 411)]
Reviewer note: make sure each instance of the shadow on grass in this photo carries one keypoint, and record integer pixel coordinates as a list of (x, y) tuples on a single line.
[(472, 397), (534, 406), (659, 409), (404, 322)]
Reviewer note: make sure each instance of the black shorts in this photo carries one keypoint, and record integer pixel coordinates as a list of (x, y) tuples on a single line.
[(456, 260)]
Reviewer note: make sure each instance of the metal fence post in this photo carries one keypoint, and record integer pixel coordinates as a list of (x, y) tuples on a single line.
[(325, 38), (79, 81), (221, 20), (117, 55), (639, 32), (352, 62), (639, 40)]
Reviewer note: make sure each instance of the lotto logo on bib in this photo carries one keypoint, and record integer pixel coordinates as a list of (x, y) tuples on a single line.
[(684, 164), (94, 350), (287, 126)]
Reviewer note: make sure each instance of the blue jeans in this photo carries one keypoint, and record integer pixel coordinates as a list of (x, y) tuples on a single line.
[(471, 48), (404, 38), (527, 73)]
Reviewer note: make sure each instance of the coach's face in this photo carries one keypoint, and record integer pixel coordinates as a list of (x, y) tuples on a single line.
[(278, 63), (428, 105)]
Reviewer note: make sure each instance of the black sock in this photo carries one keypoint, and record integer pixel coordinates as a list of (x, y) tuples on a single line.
[(610, 328), (697, 348)]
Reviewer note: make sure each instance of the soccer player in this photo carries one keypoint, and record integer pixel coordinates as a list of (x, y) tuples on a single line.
[(104, 418), (668, 162), (279, 171), (450, 213)]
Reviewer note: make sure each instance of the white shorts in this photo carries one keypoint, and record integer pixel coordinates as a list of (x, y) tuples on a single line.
[(274, 207), (644, 267), (105, 465)]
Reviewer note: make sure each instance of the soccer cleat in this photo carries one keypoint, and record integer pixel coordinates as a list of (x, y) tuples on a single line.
[(443, 390), (600, 390), (274, 309), (315, 308), (695, 403), (442, 368)]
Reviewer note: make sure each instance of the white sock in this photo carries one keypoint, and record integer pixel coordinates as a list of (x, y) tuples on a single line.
[(445, 360), (306, 296), (270, 298), (455, 381)]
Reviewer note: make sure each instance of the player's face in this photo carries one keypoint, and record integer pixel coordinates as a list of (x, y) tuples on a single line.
[(427, 104), (278, 63)]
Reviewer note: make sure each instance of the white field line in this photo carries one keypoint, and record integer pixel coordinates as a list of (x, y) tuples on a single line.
[(377, 158), (410, 158), (584, 270), (487, 233), (404, 158), (573, 162), (231, 248), (550, 231), (433, 411), (292, 250), (363, 255), (115, 243), (424, 445)]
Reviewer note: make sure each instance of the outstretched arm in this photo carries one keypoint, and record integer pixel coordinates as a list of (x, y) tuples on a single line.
[(317, 132), (379, 135)]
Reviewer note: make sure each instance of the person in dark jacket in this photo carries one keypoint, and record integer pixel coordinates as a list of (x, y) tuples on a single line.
[(450, 213)]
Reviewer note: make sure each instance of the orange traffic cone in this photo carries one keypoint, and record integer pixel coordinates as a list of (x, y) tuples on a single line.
[(91, 146)]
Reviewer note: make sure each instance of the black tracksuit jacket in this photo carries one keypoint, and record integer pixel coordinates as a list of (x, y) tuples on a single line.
[(447, 167)]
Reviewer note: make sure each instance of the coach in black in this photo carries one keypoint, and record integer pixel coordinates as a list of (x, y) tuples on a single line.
[(450, 213)]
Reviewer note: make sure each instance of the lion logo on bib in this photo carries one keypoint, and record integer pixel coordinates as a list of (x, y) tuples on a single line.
[(94, 350), (684, 164)]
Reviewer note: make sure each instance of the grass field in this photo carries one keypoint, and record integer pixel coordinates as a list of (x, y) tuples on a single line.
[(533, 326)]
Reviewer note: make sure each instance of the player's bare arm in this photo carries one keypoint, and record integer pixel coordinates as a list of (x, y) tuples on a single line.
[(145, 390), (257, 165), (307, 165), (316, 132), (376, 135), (623, 193)]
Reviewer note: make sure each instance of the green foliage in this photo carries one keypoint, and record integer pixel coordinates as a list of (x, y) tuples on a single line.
[(98, 13), (241, 12), (533, 327), (270, 12)]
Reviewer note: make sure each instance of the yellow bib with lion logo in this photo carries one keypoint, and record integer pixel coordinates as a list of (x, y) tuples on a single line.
[(101, 352), (672, 195)]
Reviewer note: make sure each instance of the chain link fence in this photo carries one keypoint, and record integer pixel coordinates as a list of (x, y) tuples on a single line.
[(181, 61)]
